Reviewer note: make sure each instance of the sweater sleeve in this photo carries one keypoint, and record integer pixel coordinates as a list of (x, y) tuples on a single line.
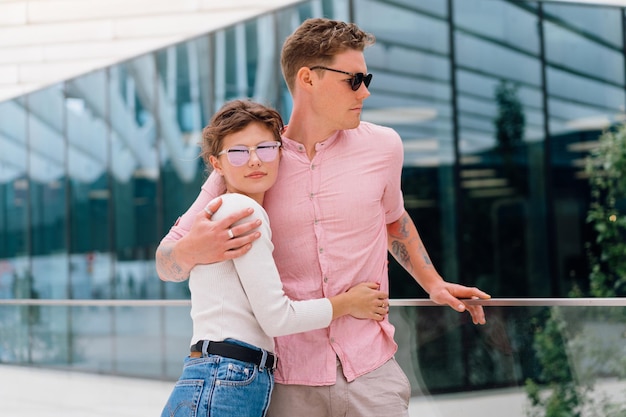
[(276, 313)]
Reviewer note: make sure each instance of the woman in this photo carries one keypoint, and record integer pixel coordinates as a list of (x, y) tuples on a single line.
[(238, 305)]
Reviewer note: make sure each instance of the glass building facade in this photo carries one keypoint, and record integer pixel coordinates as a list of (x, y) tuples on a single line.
[(497, 102)]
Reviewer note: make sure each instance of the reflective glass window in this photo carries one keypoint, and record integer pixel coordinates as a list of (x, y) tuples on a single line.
[(490, 57), (185, 88), (15, 277), (434, 7), (48, 210), (501, 135), (601, 23), (49, 221), (90, 193), (585, 96), (514, 25), (186, 93), (592, 59), (134, 175), (399, 25)]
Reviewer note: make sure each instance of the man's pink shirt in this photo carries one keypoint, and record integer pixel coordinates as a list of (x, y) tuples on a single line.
[(328, 218)]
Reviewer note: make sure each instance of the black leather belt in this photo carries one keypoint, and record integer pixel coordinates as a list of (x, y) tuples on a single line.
[(260, 357)]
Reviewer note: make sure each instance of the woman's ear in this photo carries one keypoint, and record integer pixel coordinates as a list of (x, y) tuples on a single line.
[(217, 167)]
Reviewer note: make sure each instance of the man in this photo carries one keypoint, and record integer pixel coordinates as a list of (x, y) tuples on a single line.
[(335, 210)]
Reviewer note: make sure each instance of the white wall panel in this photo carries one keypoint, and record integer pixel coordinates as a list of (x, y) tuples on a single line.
[(55, 33), (49, 72), (45, 41), (194, 23), (12, 13), (18, 54), (8, 74)]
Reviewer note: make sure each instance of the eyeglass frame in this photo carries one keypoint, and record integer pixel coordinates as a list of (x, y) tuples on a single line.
[(274, 143), (357, 79)]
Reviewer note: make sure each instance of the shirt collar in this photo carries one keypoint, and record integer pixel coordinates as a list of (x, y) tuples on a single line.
[(295, 146)]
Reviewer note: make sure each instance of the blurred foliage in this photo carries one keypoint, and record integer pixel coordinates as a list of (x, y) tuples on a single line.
[(569, 357), (572, 357), (510, 121), (555, 393), (510, 125), (606, 168)]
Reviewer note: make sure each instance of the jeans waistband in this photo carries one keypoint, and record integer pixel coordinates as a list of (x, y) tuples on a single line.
[(260, 357)]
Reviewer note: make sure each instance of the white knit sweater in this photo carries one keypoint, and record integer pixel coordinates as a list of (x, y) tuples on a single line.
[(243, 298)]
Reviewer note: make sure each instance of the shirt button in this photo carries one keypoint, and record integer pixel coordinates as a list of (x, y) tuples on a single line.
[(325, 279), (312, 166), (332, 340), (321, 250)]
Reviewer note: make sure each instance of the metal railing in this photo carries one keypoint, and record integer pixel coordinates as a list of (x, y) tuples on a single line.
[(408, 302), (441, 352)]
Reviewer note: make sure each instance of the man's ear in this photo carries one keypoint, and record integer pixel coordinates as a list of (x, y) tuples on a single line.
[(304, 77)]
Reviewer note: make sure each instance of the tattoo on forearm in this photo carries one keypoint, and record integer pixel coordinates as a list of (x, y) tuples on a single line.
[(399, 248), (403, 230), (425, 256), (167, 267), (401, 254)]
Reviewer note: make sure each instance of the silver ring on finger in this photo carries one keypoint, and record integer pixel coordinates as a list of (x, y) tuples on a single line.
[(230, 234), (208, 211)]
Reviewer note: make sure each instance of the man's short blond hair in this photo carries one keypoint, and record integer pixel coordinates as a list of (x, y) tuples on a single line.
[(316, 42)]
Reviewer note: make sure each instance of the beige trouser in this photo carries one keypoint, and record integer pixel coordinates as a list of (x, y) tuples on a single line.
[(383, 392)]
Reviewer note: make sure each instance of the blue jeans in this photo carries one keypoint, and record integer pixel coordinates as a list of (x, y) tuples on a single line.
[(214, 386)]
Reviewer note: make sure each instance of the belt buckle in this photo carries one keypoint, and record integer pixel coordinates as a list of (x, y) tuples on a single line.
[(265, 358)]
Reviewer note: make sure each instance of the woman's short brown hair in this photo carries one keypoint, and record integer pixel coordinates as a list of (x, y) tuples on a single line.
[(316, 41), (234, 116)]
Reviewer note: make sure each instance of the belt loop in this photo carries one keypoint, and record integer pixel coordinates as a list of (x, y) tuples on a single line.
[(205, 347), (263, 359)]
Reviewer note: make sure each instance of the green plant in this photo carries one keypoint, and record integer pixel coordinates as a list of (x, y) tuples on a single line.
[(571, 361), (555, 393), (606, 168), (510, 121), (510, 125)]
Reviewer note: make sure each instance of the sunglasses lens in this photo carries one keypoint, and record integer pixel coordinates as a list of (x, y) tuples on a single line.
[(357, 80), (238, 155), (267, 151), (367, 80), (360, 78)]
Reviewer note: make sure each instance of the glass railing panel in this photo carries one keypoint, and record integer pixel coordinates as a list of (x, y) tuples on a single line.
[(531, 360), (137, 335), (15, 323), (138, 338), (556, 357)]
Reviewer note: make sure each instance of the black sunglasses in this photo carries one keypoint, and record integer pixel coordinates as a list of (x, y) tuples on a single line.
[(357, 79)]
